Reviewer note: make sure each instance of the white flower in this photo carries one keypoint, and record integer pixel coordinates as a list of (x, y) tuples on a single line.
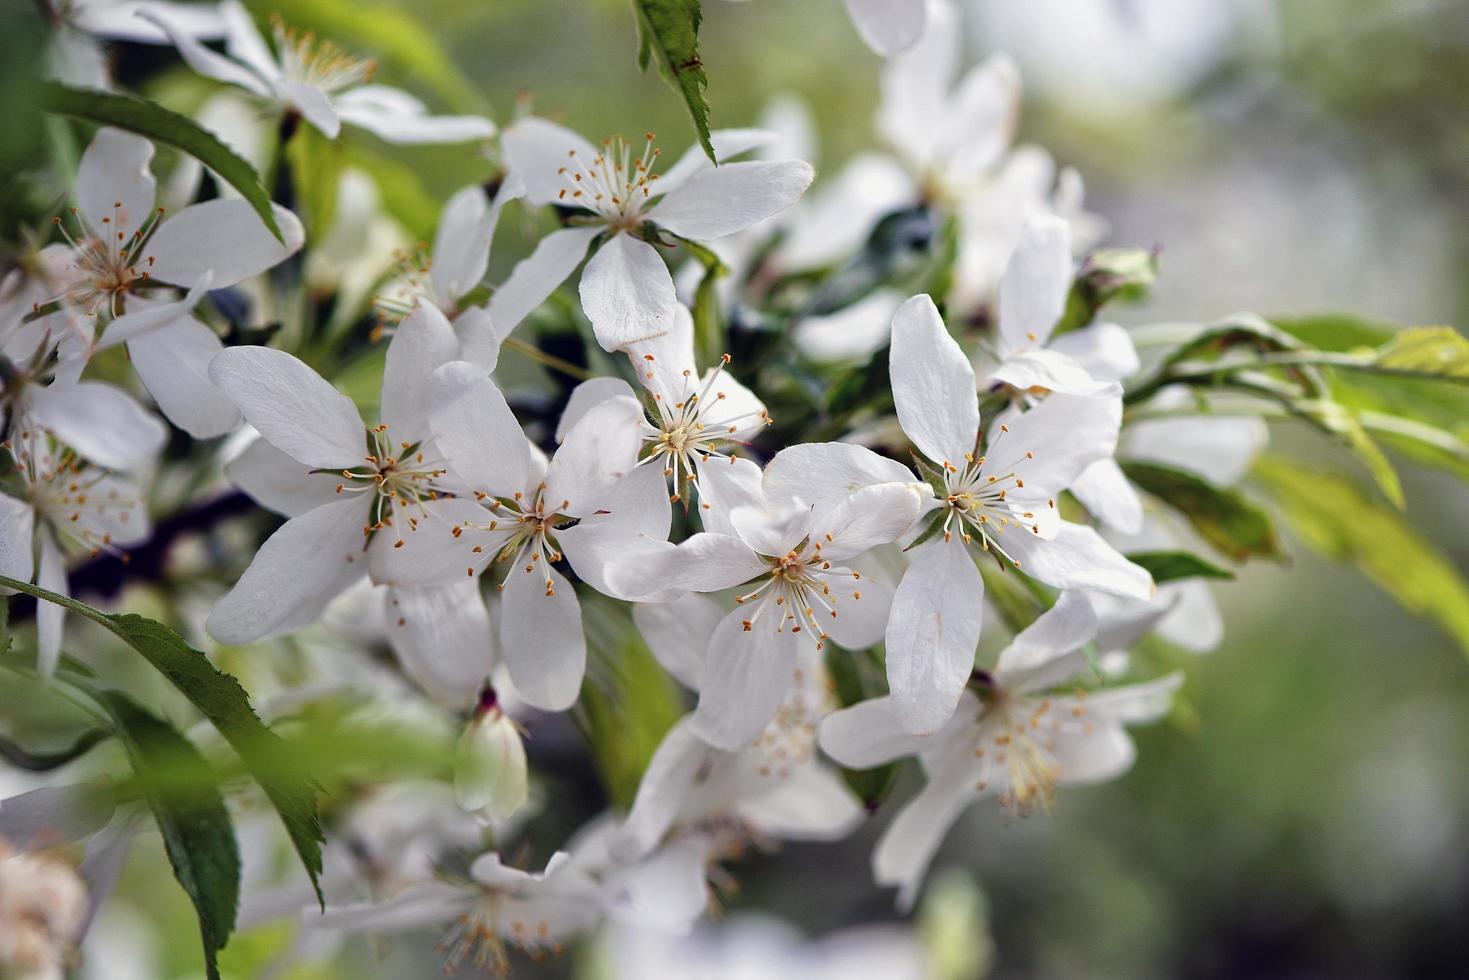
[(1010, 740), (317, 79), (355, 493), (785, 553), (78, 58), (888, 26), (496, 909), (489, 763), (68, 504), (1001, 501), (515, 506), (121, 248), (622, 203)]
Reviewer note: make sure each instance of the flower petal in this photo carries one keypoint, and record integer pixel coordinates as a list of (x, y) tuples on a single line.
[(907, 847), (1028, 662), (442, 638), (725, 485), (222, 237), (308, 561), (1104, 350), (863, 607), (888, 26), (50, 617), (627, 293), (279, 482), (665, 786), (1064, 434), (385, 121), (1049, 370), (728, 199), (1104, 491), (17, 539), (292, 406), (821, 474), (476, 431), (933, 384), (541, 637), (678, 633), (100, 422), (423, 343), (115, 189), (537, 149), (479, 341), (637, 511), (812, 803), (727, 143), (599, 451), (537, 275), (869, 734), (173, 364), (704, 562), (587, 396), (914, 113), (208, 63), (313, 105), (1035, 283), (1078, 558), (938, 612), (462, 244), (745, 679), (53, 816), (864, 519)]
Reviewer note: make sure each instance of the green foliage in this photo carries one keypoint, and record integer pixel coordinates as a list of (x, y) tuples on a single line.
[(1169, 566), (221, 699), (1438, 351), (1332, 516), (857, 676), (1223, 517), (404, 195), (670, 28), (22, 758), (316, 165), (159, 124), (1109, 274), (180, 791)]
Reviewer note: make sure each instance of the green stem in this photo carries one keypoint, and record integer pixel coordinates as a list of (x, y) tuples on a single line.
[(550, 360)]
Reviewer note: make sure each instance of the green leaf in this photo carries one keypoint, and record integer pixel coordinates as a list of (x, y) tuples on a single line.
[(1108, 274), (180, 790), (670, 29), (1335, 518), (1169, 566), (1222, 516), (22, 758), (221, 699), (159, 124), (316, 164), (1440, 351)]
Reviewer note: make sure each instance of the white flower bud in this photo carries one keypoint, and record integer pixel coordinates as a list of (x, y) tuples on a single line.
[(489, 765)]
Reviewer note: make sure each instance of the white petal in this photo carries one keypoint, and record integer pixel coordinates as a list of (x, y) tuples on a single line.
[(1064, 435), (745, 679), (431, 554), (1104, 491), (704, 563), (598, 452), (208, 63), (115, 189), (665, 786), (824, 473), (728, 199), (146, 315), (985, 112), (937, 615), (812, 803), (1220, 450), (1104, 350), (864, 519), (666, 892), (627, 293), (476, 431), (241, 40), (536, 149), (537, 275), (903, 854), (308, 561), (888, 26), (728, 143), (933, 384), (415, 129), (1049, 370), (120, 21), (1034, 287), (423, 343), (723, 486), (462, 244), (1078, 558), (479, 341), (678, 633), (17, 539), (633, 512), (442, 638), (415, 907), (586, 396), (852, 333), (1135, 703), (100, 422), (280, 482), (222, 237), (173, 363), (1104, 754), (1064, 628), (292, 406), (50, 617), (869, 734), (53, 816), (914, 114), (665, 364), (313, 105), (541, 638), (1194, 621), (489, 767)]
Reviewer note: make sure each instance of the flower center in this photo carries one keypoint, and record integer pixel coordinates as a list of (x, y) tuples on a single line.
[(799, 591), (1019, 736), (614, 183), (321, 65), (401, 480), (105, 265), (480, 936), (70, 494), (977, 497), (529, 528)]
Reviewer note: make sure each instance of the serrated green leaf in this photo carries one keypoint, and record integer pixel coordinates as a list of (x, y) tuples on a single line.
[(1169, 566), (180, 790), (1223, 517), (220, 698), (1335, 518), (1440, 351), (23, 758), (670, 29), (162, 126)]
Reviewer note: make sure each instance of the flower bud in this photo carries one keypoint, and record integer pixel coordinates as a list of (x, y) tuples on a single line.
[(489, 765)]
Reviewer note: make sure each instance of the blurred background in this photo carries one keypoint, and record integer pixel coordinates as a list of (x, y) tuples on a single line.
[(1306, 814)]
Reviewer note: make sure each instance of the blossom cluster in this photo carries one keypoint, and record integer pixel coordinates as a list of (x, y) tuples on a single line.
[(749, 567)]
